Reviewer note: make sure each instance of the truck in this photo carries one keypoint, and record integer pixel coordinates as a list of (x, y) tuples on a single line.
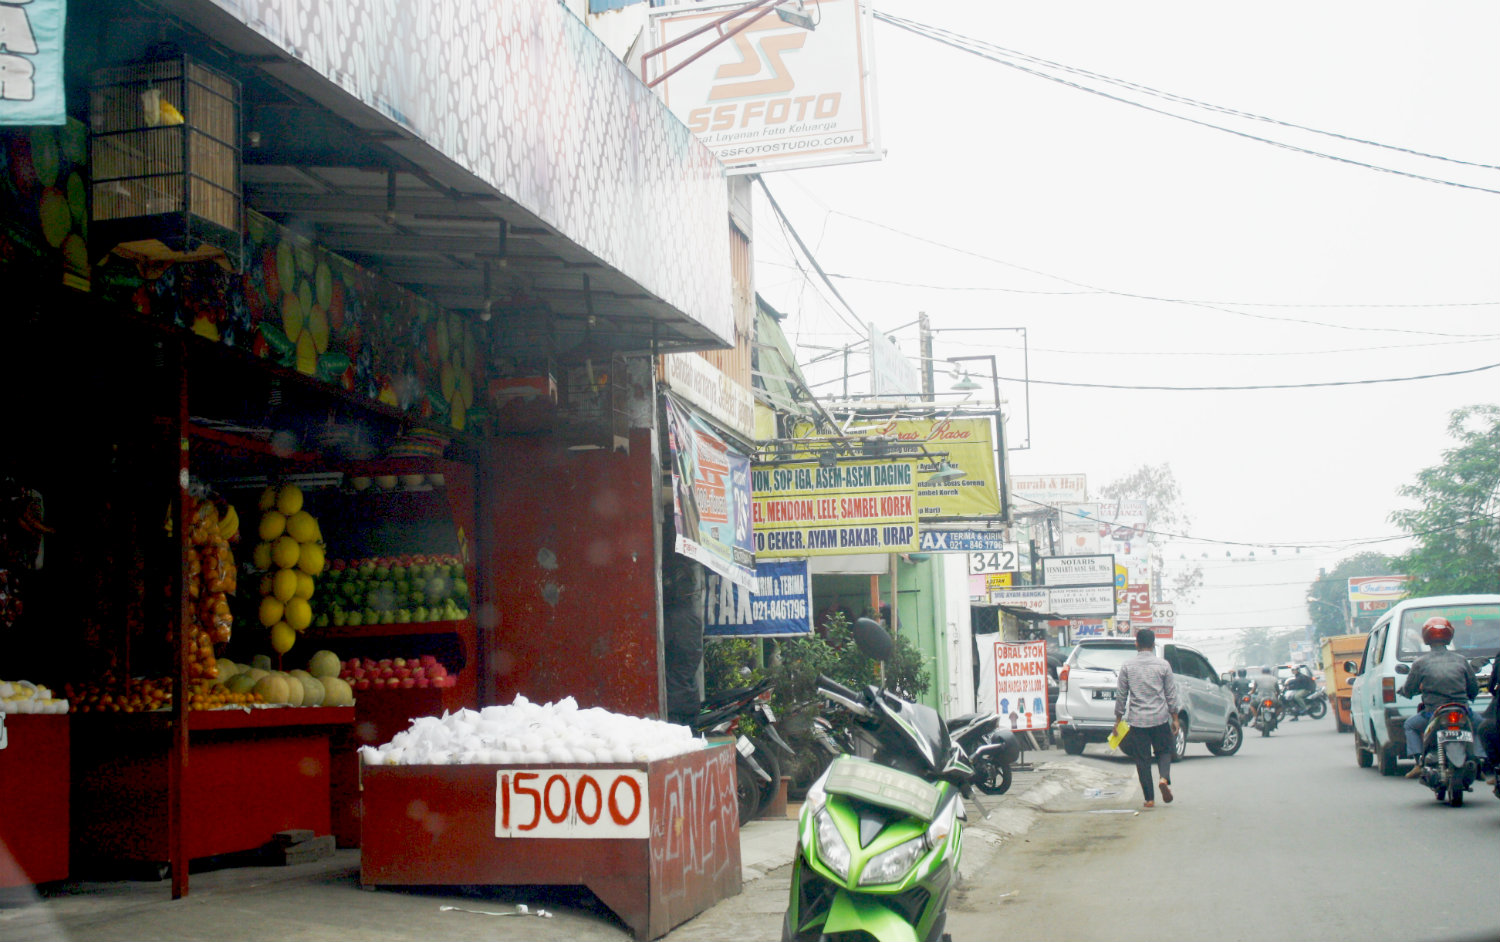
[(1333, 652)]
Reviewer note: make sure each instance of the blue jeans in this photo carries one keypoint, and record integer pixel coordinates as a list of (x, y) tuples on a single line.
[(1416, 725)]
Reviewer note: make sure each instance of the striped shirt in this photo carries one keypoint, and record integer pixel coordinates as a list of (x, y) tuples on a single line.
[(1147, 691)]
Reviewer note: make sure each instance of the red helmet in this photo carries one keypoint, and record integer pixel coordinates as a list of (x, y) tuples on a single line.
[(1437, 630)]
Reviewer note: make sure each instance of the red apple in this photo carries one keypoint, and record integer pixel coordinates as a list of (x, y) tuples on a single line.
[(408, 682), (398, 662), (437, 671), (428, 660), (418, 671), (392, 682), (403, 672), (423, 682), (362, 684)]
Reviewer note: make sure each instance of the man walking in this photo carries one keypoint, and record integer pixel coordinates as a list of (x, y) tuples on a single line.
[(1146, 698)]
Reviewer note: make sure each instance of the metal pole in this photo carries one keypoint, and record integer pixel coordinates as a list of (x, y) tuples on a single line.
[(924, 334)]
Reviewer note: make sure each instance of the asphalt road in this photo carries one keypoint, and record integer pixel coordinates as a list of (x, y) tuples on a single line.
[(1286, 840)]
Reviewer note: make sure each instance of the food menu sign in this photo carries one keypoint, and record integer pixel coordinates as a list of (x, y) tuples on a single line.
[(853, 507)]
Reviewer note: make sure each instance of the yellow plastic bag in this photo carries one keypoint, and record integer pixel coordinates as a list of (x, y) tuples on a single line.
[(1121, 728)]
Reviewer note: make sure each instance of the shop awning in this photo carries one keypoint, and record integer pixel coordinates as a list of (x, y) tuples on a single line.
[(474, 152)]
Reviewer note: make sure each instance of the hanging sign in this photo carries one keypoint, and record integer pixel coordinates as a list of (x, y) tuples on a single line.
[(710, 497), (779, 606), (1015, 682), (1032, 600), (1096, 600), (964, 541), (31, 62), (853, 507)]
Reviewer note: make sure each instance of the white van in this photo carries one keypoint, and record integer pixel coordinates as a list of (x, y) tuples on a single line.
[(1376, 704)]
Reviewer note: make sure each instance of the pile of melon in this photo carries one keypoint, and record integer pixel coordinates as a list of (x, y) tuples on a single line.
[(318, 685)]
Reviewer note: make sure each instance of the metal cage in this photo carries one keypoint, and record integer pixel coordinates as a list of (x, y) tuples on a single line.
[(166, 158)]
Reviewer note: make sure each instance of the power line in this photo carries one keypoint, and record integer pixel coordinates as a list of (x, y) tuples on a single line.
[(1256, 386), (812, 260), (1209, 306), (958, 41)]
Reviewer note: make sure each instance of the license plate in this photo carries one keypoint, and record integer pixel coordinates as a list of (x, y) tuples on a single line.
[(1104, 694), (767, 712), (744, 745), (1455, 735)]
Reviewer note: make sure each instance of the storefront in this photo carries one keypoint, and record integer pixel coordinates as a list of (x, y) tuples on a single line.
[(329, 332)]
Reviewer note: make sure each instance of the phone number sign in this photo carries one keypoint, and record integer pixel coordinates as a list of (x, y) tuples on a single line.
[(572, 803)]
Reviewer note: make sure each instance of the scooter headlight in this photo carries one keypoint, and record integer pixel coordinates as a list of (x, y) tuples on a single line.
[(895, 863), (832, 849)]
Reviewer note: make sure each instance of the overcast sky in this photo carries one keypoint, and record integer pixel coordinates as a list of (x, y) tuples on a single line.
[(1065, 204)]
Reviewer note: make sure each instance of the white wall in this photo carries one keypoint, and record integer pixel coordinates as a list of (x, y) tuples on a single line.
[(958, 635)]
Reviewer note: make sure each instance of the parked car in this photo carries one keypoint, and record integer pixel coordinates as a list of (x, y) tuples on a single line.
[(1376, 705), (1086, 697)]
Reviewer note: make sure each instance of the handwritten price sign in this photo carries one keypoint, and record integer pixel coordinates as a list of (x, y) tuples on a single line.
[(586, 803)]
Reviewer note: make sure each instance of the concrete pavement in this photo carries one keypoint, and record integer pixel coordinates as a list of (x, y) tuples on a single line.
[(323, 900)]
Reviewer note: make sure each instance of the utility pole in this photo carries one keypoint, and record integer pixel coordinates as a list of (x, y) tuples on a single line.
[(924, 334)]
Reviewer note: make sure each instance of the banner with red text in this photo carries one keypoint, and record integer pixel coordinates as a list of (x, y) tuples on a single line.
[(1013, 682)]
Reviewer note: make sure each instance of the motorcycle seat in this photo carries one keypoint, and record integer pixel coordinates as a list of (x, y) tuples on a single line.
[(959, 722)]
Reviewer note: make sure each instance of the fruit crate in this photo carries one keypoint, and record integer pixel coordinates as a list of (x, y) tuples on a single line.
[(430, 825)]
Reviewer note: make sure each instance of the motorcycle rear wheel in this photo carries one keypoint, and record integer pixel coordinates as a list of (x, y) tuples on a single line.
[(771, 762), (1455, 797), (747, 790), (992, 780), (1318, 710)]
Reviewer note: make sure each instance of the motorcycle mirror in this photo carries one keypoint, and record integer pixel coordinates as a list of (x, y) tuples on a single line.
[(872, 640)]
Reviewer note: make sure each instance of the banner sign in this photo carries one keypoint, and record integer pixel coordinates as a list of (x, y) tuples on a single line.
[(1370, 595), (1138, 597), (964, 541), (1096, 600), (853, 507), (892, 375), (969, 446), (1164, 613), (1162, 632), (712, 390), (1122, 531), (1078, 570), (1014, 684), (779, 606), (1032, 600), (775, 96), (572, 803), (1048, 489), (710, 498), (31, 62), (1079, 524)]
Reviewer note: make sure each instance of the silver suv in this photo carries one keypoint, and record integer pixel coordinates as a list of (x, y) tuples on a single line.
[(1086, 698)]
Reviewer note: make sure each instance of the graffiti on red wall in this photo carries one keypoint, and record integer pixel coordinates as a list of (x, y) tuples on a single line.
[(694, 831)]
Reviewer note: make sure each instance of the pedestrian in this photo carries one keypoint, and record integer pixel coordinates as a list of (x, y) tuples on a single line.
[(1146, 698)]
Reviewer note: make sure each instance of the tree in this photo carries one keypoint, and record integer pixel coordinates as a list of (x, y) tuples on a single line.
[(1261, 646), (1455, 524), (1331, 591), (1157, 486)]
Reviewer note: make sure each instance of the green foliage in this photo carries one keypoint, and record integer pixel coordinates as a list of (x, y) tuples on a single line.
[(1331, 590), (1261, 646), (1455, 523)]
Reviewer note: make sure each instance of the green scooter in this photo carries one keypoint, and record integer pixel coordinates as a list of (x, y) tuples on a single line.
[(879, 838)]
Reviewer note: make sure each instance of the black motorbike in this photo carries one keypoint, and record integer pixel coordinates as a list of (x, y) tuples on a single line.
[(1267, 714), (757, 763), (1449, 760), (992, 758)]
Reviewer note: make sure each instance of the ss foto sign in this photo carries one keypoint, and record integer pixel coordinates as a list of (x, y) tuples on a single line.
[(572, 803)]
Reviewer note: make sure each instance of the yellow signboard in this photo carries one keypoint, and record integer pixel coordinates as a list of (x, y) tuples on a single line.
[(968, 445), (998, 580), (853, 507)]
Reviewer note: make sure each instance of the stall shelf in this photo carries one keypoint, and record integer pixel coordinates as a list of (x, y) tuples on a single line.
[(252, 773), (34, 767), (441, 825)]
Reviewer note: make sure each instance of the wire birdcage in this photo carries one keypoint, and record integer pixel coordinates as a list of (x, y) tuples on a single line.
[(166, 158), (593, 413)]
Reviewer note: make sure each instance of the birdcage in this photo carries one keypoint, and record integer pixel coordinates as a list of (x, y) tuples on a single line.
[(166, 161), (593, 413)]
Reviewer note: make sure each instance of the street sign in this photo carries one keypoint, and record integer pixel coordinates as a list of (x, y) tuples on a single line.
[(1164, 613), (1083, 600), (1079, 570)]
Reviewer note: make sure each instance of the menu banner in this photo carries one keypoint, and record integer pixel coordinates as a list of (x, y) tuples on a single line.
[(852, 507)]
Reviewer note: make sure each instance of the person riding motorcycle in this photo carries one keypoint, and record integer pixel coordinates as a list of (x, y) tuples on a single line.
[(1440, 676), (1239, 684), (1265, 687), (1299, 687)]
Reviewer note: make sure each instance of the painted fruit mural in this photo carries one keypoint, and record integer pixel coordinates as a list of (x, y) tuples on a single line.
[(44, 213)]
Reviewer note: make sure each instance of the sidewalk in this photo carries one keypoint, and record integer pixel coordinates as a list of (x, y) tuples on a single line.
[(323, 900)]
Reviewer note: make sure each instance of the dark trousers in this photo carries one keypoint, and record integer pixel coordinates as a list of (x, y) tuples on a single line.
[(1139, 744)]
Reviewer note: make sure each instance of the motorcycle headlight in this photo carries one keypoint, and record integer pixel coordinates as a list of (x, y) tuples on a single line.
[(832, 849), (894, 864)]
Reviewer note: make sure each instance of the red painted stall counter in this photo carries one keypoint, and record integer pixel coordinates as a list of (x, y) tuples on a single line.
[(34, 774), (657, 842), (249, 774)]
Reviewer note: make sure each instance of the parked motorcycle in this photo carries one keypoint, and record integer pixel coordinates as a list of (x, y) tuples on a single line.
[(1267, 715), (758, 767), (992, 758), (1317, 705), (1448, 761), (879, 838)]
